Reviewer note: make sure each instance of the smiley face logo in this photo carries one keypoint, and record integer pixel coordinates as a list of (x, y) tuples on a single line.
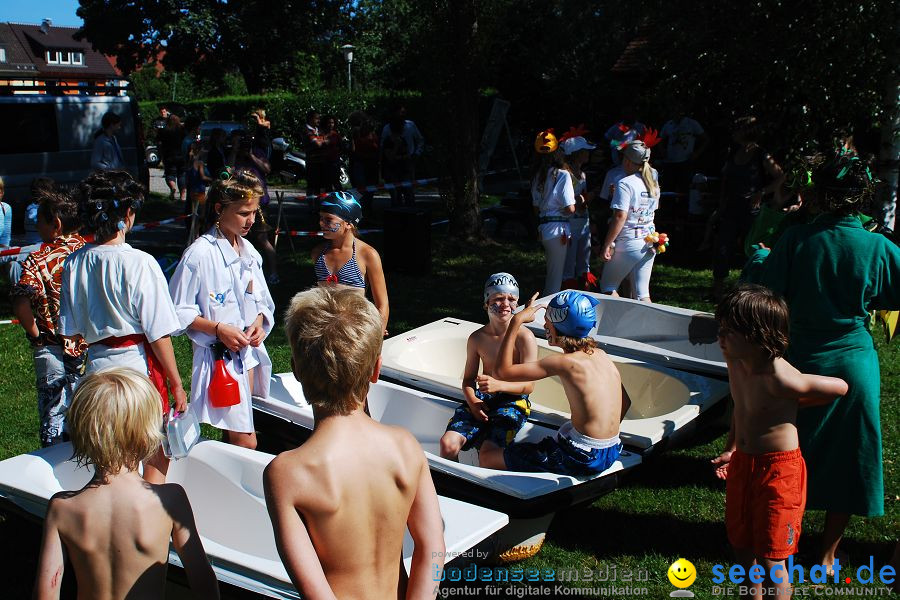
[(682, 573)]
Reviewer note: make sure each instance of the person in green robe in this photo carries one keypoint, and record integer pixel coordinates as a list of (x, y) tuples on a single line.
[(832, 272)]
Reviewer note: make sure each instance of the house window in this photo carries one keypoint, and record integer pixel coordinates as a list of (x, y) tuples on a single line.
[(2, 55), (64, 57)]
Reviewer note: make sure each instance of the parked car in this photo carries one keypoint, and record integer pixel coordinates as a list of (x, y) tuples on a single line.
[(206, 128)]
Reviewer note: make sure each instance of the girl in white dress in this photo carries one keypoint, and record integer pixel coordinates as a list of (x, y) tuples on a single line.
[(115, 296), (634, 205), (220, 295)]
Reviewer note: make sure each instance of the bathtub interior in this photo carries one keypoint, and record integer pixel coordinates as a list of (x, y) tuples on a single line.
[(438, 353), (214, 472)]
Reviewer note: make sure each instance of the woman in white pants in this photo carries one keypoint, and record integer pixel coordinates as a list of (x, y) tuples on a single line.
[(553, 196), (578, 255), (634, 205)]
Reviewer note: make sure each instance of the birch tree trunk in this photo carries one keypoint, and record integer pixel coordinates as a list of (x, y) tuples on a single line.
[(889, 153)]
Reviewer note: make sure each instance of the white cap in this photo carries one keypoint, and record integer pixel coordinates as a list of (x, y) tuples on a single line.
[(501, 283), (574, 144)]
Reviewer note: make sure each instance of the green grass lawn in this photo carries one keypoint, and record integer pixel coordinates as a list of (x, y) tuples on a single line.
[(670, 507)]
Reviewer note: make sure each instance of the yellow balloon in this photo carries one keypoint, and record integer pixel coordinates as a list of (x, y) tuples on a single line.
[(682, 573)]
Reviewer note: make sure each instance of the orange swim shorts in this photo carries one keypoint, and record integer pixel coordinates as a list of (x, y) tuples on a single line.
[(765, 495)]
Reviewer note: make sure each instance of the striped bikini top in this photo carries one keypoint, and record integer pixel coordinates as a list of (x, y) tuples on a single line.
[(349, 274)]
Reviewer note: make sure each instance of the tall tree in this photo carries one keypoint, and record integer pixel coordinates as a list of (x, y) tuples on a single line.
[(274, 45), (808, 69)]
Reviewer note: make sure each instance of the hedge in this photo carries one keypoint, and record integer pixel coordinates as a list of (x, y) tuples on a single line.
[(288, 111)]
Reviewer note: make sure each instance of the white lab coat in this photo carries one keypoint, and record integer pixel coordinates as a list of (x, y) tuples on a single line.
[(212, 281)]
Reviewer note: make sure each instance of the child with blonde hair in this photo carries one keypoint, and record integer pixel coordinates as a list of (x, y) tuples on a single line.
[(116, 529), (354, 478), (221, 298), (633, 205)]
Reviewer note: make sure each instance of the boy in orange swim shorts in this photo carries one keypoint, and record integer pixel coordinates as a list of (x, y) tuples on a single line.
[(765, 493)]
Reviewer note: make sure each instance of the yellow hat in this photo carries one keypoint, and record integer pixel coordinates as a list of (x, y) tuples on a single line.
[(546, 142)]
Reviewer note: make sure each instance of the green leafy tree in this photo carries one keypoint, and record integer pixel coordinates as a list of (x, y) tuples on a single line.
[(274, 45), (807, 69)]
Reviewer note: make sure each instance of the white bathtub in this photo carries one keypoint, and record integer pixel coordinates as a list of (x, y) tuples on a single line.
[(675, 337), (224, 484), (426, 417), (432, 358)]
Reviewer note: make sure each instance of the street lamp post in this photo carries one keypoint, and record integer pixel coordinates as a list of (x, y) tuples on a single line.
[(347, 49)]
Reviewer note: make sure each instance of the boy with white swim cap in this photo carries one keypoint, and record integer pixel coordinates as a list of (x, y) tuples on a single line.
[(589, 443), (495, 410)]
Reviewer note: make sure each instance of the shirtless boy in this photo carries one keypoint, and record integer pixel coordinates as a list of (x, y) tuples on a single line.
[(495, 410), (340, 503), (589, 443), (116, 529), (765, 492)]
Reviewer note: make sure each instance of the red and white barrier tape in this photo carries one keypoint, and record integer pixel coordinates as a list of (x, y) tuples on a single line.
[(393, 186), (90, 238)]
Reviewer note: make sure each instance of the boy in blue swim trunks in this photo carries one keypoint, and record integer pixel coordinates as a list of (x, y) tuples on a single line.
[(495, 410), (589, 443)]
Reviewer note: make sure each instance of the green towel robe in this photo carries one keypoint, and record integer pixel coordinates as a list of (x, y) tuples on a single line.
[(832, 272)]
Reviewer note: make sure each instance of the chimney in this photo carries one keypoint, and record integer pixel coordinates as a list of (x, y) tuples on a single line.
[(45, 25)]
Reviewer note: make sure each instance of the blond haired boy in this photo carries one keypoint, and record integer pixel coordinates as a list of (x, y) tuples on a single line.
[(116, 529), (340, 503)]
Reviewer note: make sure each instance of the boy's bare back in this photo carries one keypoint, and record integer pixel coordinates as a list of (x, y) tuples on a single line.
[(116, 535), (355, 484), (594, 389)]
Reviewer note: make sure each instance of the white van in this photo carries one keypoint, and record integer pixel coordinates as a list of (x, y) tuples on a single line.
[(53, 136)]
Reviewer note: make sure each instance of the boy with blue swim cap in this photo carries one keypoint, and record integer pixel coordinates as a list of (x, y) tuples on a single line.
[(589, 443), (495, 410)]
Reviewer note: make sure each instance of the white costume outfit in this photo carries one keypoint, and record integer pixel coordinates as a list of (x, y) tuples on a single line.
[(115, 291), (632, 254), (557, 193), (681, 137), (213, 282), (578, 252), (613, 176)]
